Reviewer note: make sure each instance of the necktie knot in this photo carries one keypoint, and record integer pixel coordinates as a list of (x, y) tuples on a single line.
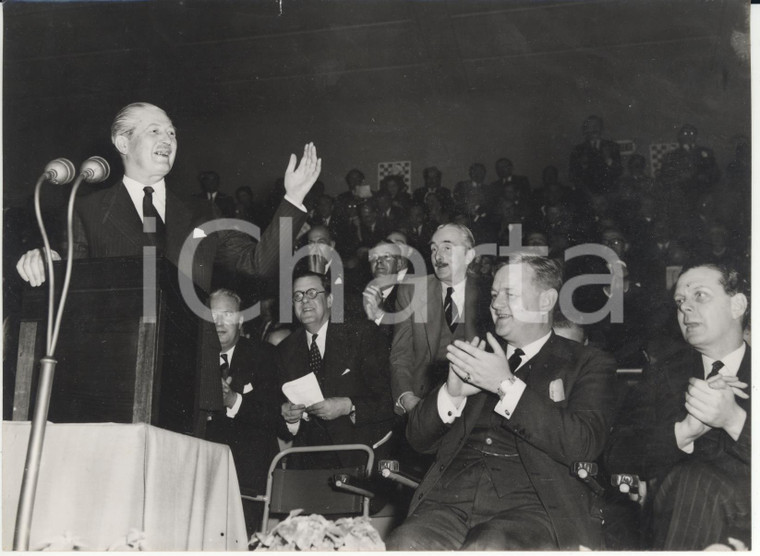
[(716, 367), (224, 367), (515, 359)]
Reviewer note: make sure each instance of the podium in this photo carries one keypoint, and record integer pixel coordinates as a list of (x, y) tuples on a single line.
[(114, 363)]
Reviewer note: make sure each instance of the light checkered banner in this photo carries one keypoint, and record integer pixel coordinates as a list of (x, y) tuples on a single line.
[(399, 168), (657, 153)]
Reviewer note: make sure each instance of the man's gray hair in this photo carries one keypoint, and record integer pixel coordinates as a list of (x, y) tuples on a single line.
[(124, 123)]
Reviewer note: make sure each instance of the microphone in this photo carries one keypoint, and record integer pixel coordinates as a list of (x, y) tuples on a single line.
[(59, 171), (95, 169)]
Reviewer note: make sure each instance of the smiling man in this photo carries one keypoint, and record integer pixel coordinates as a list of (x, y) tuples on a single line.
[(350, 362), (141, 211), (688, 426), (444, 306), (506, 426)]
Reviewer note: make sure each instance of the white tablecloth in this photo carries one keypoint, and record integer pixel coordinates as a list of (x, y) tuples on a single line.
[(99, 481)]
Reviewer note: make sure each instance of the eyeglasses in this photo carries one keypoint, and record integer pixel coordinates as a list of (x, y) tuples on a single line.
[(311, 293)]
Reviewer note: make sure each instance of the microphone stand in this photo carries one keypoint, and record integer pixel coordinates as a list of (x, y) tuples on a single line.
[(47, 372)]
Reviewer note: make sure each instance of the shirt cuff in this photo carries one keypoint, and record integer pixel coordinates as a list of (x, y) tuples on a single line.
[(232, 411), (447, 409), (398, 401), (513, 391), (299, 206), (293, 427)]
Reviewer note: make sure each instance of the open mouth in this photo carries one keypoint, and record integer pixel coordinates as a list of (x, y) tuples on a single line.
[(163, 152)]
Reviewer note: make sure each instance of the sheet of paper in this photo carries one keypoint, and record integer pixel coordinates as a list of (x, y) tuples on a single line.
[(304, 390)]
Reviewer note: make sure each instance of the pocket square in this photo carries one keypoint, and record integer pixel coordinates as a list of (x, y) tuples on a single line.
[(345, 372), (247, 388), (557, 390), (198, 233)]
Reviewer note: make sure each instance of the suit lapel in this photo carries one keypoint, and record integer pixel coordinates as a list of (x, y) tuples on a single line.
[(179, 223), (470, 309), (119, 211), (434, 313)]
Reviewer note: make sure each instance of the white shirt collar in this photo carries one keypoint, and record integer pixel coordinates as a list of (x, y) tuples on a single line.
[(530, 350), (321, 336), (136, 193), (228, 353), (731, 362)]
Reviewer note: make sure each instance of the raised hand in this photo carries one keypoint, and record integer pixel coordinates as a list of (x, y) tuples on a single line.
[(298, 180)]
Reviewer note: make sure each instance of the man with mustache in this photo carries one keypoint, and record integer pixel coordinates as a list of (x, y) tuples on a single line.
[(141, 211), (443, 307), (687, 429)]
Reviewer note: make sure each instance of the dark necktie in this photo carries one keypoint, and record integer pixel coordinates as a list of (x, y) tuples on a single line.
[(515, 360), (716, 366), (154, 229), (224, 368), (315, 359), (449, 308)]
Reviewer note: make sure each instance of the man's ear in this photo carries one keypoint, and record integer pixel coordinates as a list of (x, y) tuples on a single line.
[(469, 256), (738, 305), (329, 301), (121, 143), (548, 299)]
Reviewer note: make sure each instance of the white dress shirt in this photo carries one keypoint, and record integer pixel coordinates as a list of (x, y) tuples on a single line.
[(136, 193)]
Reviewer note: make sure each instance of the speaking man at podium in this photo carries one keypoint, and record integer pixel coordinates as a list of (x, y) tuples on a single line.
[(110, 222)]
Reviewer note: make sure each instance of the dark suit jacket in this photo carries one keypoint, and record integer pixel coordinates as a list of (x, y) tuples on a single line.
[(417, 339), (106, 224), (252, 433), (550, 435), (643, 440), (355, 365), (589, 169)]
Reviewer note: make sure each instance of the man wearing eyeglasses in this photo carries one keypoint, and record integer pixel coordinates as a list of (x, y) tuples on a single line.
[(350, 363), (379, 296)]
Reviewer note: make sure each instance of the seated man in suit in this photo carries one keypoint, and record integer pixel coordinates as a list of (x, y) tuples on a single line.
[(350, 362), (695, 454), (379, 295), (140, 210), (507, 425), (251, 414)]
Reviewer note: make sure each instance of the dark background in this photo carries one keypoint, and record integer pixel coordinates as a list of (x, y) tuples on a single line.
[(436, 82)]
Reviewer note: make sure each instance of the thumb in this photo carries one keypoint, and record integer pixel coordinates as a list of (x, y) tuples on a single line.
[(291, 164), (494, 344)]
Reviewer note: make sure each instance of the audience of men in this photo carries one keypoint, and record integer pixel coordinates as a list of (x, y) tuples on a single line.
[(505, 431), (506, 425), (686, 429), (250, 418)]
